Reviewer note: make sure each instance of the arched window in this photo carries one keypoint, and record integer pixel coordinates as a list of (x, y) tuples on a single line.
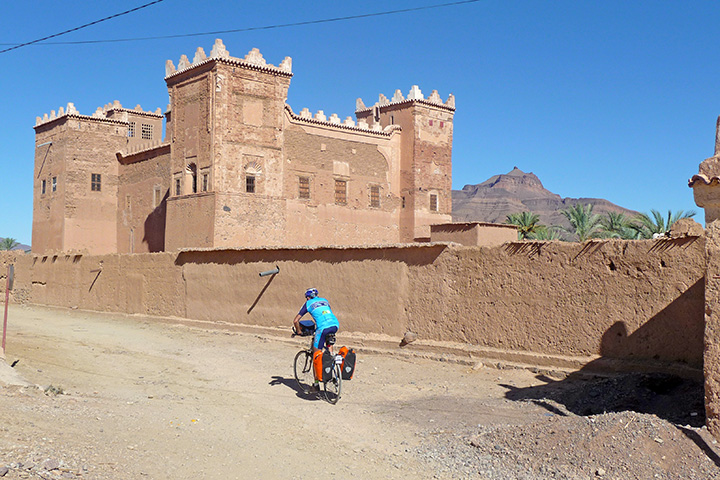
[(253, 170)]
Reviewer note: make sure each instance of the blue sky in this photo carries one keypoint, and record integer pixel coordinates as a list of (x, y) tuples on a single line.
[(613, 99)]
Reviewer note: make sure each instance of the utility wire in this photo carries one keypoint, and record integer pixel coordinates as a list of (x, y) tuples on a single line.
[(266, 27), (82, 26)]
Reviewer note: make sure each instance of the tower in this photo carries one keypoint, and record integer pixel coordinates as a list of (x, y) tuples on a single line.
[(225, 128), (75, 182), (425, 175)]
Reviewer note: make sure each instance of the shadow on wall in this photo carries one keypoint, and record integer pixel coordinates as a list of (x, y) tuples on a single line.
[(155, 227), (678, 399), (413, 255)]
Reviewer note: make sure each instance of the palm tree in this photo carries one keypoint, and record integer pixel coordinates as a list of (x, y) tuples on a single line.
[(646, 226), (528, 223), (8, 243), (583, 223), (618, 225), (546, 233)]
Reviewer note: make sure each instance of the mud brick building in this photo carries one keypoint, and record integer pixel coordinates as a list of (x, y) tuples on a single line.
[(239, 168)]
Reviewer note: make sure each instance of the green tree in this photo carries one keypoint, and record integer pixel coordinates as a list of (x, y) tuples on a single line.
[(618, 225), (547, 233), (648, 225), (584, 224), (8, 243), (528, 223)]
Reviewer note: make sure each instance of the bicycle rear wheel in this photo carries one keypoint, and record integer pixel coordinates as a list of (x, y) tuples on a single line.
[(333, 387), (304, 375)]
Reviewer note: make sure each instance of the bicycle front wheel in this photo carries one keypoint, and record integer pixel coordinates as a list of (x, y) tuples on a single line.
[(304, 375), (333, 387)]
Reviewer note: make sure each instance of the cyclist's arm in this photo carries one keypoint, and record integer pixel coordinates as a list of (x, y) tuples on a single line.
[(300, 314)]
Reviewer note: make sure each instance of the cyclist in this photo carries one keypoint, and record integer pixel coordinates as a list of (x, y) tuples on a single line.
[(325, 323)]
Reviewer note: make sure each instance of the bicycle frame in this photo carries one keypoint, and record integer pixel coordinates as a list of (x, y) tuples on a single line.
[(333, 387)]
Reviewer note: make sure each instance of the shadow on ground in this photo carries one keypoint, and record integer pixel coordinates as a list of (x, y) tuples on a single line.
[(675, 399), (292, 384)]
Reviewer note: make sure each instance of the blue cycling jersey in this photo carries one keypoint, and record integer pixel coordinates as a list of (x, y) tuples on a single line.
[(319, 309)]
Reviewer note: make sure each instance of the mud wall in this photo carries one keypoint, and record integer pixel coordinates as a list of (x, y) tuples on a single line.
[(631, 300), (712, 330)]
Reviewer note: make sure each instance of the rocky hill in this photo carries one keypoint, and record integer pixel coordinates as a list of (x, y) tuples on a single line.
[(517, 191)]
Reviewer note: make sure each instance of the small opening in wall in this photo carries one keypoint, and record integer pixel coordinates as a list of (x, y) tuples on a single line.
[(663, 264), (611, 266)]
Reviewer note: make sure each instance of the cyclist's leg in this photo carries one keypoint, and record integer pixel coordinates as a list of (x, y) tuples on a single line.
[(320, 340)]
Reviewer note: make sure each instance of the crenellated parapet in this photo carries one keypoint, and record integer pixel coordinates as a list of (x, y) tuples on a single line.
[(116, 107), (415, 95), (111, 112), (253, 59), (69, 109), (334, 120)]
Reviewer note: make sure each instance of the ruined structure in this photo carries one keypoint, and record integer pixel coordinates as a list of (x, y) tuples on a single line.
[(239, 168)]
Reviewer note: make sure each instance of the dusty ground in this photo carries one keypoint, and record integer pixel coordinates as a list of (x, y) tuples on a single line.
[(126, 397)]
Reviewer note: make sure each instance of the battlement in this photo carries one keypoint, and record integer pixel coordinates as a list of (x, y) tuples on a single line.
[(106, 113), (415, 95), (253, 59), (110, 109), (334, 121), (143, 147)]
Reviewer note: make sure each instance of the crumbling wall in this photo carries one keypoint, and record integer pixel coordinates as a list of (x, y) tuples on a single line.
[(629, 300)]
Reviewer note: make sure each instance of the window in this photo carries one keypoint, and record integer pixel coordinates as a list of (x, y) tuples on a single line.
[(250, 183), (191, 177), (403, 201), (340, 192), (127, 202), (375, 196), (433, 202), (157, 198), (131, 129), (177, 186), (205, 181), (54, 184), (304, 187), (95, 182), (146, 131), (42, 189)]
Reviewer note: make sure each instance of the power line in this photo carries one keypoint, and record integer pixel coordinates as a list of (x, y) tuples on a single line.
[(82, 26), (265, 27)]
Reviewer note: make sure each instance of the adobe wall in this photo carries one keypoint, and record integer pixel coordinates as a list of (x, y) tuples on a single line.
[(190, 221), (618, 299), (324, 154), (712, 329), (629, 300), (140, 222), (474, 233)]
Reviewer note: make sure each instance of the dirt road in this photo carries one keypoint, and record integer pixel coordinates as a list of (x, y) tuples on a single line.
[(143, 398)]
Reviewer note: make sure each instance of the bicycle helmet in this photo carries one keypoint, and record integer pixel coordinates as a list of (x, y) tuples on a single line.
[(311, 293)]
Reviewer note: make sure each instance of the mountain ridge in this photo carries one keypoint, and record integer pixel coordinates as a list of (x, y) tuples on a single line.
[(517, 191)]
